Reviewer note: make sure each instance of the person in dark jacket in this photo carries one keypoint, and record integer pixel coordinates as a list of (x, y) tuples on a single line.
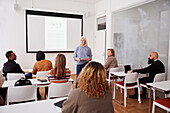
[(155, 67), (11, 66)]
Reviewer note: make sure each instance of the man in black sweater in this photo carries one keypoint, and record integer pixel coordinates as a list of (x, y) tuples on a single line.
[(11, 66), (155, 67)]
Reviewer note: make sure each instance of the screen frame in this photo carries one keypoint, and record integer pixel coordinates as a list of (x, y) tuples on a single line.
[(51, 14)]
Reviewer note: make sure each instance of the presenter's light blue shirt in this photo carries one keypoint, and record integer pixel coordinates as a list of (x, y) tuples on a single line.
[(82, 52)]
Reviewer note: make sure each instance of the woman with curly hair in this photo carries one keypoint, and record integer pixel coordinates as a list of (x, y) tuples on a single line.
[(92, 94)]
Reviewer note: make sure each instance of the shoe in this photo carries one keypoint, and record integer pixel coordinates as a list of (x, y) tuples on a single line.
[(133, 96), (143, 96)]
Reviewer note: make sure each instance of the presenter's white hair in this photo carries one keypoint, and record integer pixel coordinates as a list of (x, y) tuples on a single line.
[(84, 39)]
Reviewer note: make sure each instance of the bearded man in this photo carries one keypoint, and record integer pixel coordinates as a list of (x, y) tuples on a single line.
[(155, 67)]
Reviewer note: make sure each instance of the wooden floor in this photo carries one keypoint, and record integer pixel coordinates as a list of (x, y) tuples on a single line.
[(132, 104)]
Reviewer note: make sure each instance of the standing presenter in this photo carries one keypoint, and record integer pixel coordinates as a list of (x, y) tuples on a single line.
[(82, 55)]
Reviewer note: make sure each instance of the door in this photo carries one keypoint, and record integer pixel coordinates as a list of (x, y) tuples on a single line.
[(100, 47)]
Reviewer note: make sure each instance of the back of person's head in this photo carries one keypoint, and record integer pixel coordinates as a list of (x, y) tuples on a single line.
[(59, 68), (8, 54), (40, 56), (92, 80), (112, 51)]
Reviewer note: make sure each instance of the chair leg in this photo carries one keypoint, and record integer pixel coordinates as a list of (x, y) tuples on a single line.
[(154, 94), (149, 93), (125, 93), (114, 90), (121, 90), (153, 107), (139, 99)]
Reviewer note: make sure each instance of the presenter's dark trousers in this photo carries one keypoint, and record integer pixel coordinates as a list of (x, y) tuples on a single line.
[(79, 68)]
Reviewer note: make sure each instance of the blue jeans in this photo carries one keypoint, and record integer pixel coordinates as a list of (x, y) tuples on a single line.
[(79, 68)]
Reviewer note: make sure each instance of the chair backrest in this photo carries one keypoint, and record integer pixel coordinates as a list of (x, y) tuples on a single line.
[(121, 67), (59, 89), (41, 74), (21, 93), (131, 78), (159, 77), (116, 69), (14, 76)]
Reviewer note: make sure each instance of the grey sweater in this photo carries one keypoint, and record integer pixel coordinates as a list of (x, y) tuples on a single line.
[(110, 63), (82, 52)]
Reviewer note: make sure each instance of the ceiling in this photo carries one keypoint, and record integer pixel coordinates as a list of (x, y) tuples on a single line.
[(84, 1)]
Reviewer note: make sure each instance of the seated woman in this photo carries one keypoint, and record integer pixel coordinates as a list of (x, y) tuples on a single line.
[(41, 65), (92, 94), (111, 61), (59, 71)]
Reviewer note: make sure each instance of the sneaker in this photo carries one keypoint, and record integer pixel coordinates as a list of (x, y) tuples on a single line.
[(143, 96), (133, 96)]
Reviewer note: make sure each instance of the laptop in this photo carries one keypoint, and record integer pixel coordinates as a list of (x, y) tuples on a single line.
[(60, 103), (127, 68)]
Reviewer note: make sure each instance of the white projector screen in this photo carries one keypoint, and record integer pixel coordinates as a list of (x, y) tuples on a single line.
[(52, 32)]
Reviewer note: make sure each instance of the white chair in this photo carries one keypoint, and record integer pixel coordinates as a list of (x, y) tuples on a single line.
[(21, 93), (162, 103), (121, 67), (116, 69), (158, 77), (14, 76), (129, 78), (41, 74), (59, 89)]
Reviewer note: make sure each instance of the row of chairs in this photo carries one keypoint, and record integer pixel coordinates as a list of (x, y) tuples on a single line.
[(131, 78), (29, 92)]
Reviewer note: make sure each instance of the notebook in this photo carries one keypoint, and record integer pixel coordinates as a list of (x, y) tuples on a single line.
[(60, 103), (127, 68)]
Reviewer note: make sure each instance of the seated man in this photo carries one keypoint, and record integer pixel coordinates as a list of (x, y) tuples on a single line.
[(11, 66), (156, 67)]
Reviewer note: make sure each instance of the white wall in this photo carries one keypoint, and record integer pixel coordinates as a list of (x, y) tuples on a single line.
[(12, 28), (106, 7)]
